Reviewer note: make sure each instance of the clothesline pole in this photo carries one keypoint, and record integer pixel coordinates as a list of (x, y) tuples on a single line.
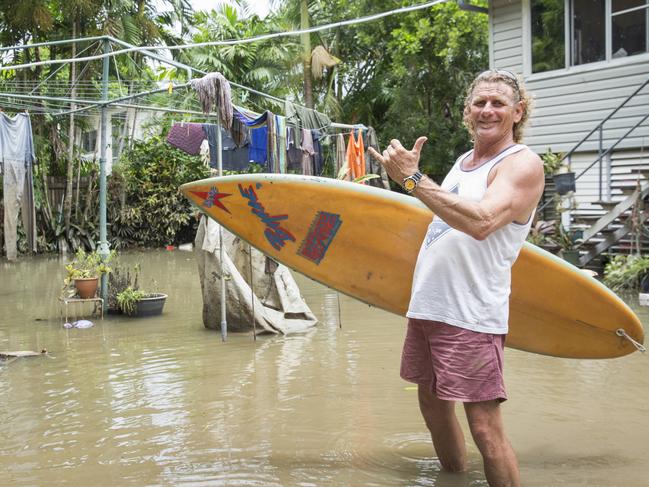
[(219, 159), (103, 237)]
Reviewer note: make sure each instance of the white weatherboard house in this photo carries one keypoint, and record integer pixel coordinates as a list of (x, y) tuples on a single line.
[(582, 60)]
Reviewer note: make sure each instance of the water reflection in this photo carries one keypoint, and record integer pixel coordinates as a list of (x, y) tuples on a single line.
[(161, 401)]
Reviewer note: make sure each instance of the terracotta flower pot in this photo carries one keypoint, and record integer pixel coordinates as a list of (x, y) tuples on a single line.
[(86, 287)]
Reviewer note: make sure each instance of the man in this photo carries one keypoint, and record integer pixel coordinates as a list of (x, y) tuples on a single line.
[(459, 305)]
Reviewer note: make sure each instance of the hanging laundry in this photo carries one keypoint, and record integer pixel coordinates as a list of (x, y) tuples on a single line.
[(264, 140), (300, 117), (233, 158), (16, 139), (187, 137), (341, 159), (293, 151), (372, 165), (240, 133), (293, 123), (250, 119), (214, 92), (17, 157), (318, 154), (259, 145), (280, 125), (271, 149), (307, 152), (356, 155)]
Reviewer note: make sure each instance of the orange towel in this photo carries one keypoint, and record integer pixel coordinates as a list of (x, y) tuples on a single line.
[(356, 156)]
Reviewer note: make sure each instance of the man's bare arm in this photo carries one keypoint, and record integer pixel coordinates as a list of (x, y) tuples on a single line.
[(512, 195)]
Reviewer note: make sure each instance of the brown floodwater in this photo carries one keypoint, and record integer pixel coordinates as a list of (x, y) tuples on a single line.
[(162, 401)]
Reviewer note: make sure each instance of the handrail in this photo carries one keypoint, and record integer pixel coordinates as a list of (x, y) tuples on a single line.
[(610, 149), (601, 124)]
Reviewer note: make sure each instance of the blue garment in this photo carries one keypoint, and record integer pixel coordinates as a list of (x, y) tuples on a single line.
[(259, 145)]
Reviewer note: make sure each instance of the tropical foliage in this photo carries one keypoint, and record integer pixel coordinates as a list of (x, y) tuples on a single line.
[(405, 75), (154, 212), (626, 272)]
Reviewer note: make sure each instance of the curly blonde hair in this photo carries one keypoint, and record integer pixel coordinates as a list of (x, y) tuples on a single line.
[(516, 84)]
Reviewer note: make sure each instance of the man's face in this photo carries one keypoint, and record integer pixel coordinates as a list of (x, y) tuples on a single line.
[(493, 111)]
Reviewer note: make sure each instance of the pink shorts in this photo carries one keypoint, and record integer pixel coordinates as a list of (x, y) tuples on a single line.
[(454, 363)]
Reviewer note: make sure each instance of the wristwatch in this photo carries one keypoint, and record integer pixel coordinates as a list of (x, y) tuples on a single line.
[(411, 182)]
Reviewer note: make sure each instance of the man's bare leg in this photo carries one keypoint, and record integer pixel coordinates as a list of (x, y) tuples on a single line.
[(445, 430), (500, 464)]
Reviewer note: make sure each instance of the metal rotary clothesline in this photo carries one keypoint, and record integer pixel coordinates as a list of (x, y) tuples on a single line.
[(79, 96)]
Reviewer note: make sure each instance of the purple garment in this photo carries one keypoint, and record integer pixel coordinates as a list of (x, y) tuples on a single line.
[(187, 137)]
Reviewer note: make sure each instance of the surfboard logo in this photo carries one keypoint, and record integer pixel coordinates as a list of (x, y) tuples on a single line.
[(274, 233), (212, 198), (321, 232)]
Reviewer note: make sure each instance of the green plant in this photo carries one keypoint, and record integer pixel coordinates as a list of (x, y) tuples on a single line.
[(565, 239), (153, 212), (541, 233), (553, 162), (87, 264), (128, 298), (626, 272), (121, 278)]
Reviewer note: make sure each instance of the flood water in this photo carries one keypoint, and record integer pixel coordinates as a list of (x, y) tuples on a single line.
[(162, 401)]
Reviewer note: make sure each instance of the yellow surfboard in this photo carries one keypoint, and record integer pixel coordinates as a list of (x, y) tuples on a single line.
[(364, 242)]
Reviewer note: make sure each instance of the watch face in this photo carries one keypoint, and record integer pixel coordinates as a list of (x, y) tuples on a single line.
[(409, 184)]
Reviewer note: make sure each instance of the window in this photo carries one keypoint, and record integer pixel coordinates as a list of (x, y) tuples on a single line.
[(588, 31), (585, 23), (629, 27), (548, 45)]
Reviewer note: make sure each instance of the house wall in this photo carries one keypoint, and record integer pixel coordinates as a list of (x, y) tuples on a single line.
[(569, 103), (506, 29)]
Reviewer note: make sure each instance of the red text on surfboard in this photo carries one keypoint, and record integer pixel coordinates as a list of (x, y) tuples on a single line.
[(274, 233), (321, 233)]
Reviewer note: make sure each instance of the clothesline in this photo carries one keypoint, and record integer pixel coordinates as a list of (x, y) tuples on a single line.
[(272, 35)]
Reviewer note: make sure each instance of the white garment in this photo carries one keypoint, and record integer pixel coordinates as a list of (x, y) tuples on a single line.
[(462, 281), (16, 140)]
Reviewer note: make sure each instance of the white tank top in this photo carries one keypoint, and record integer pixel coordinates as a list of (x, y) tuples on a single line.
[(462, 281)]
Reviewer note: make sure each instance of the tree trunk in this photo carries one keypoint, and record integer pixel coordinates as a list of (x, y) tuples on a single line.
[(67, 204), (306, 54)]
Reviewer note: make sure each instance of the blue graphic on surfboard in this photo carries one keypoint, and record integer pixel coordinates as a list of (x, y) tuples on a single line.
[(438, 227)]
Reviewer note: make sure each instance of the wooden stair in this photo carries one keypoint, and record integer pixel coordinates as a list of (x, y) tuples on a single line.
[(613, 225)]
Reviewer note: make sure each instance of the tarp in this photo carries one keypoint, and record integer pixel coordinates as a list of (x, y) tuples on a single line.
[(276, 303)]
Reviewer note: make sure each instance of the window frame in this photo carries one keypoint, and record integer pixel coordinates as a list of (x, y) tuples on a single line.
[(568, 44)]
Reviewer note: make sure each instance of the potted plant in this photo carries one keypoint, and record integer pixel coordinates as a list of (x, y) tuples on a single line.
[(84, 272), (134, 302), (554, 164), (125, 296), (568, 243)]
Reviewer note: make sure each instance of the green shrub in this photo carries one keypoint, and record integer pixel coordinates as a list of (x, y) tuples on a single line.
[(626, 272), (127, 300), (153, 212)]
